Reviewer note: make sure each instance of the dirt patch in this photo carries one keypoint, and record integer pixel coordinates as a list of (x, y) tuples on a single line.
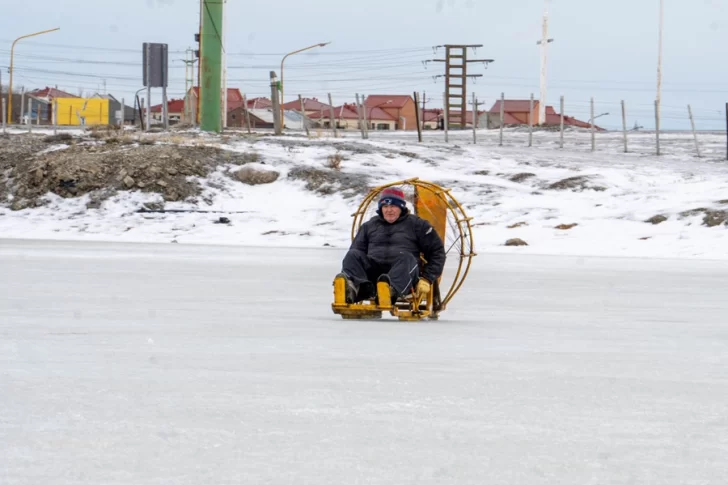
[(577, 184), (520, 177), (327, 182), (482, 172), (82, 169), (517, 224), (658, 219), (254, 176), (711, 218), (565, 227)]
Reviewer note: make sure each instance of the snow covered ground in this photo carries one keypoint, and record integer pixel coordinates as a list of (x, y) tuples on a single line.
[(610, 220), (183, 364)]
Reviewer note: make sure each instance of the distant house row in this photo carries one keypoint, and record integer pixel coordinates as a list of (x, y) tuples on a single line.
[(382, 112)]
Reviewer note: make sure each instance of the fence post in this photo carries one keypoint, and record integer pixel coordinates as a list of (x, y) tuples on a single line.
[(502, 117), (591, 123), (331, 115), (561, 135), (246, 112), (5, 114), (695, 134), (418, 116), (303, 115), (530, 122), (55, 117), (624, 126), (359, 115), (444, 114), (30, 115), (475, 119), (657, 126)]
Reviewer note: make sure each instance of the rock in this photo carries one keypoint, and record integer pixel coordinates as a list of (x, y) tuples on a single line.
[(128, 182), (517, 224), (694, 212), (482, 172), (153, 206), (21, 204), (252, 176), (222, 220), (565, 227), (658, 219), (580, 182), (161, 183), (516, 242), (520, 177), (715, 218)]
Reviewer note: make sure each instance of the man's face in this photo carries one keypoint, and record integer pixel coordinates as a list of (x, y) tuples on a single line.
[(391, 213)]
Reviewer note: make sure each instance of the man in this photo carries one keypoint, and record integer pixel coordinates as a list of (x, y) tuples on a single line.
[(387, 248)]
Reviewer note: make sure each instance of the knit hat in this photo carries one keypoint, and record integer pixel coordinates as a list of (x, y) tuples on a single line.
[(392, 196)]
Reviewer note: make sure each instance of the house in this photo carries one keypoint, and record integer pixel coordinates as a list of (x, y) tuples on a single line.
[(116, 116), (237, 118), (175, 111), (517, 112), (41, 105), (259, 103), (262, 118), (311, 106), (432, 118), (400, 107), (347, 117)]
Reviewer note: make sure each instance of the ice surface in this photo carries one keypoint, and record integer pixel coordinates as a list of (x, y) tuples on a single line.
[(182, 364)]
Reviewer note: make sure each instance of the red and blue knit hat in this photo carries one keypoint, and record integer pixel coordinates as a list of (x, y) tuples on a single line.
[(392, 196)]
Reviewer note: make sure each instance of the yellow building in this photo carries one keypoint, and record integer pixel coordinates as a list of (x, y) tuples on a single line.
[(82, 111)]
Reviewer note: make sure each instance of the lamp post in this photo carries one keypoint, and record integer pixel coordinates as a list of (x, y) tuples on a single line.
[(323, 44), (10, 83), (591, 120)]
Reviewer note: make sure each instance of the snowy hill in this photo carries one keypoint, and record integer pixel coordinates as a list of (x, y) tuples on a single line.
[(570, 201)]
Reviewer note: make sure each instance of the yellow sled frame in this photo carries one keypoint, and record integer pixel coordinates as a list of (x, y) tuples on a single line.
[(447, 216)]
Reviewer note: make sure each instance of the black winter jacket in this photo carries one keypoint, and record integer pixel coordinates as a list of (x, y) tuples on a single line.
[(383, 242)]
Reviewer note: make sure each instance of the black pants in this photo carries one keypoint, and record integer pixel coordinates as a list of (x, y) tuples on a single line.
[(364, 272)]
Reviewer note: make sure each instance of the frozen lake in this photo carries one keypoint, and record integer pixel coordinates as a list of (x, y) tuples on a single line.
[(176, 364)]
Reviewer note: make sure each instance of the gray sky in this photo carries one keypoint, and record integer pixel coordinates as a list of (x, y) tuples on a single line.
[(604, 49)]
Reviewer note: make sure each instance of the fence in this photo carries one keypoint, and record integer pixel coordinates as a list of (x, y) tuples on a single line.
[(357, 120)]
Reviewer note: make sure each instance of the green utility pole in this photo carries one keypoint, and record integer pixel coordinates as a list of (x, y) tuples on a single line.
[(211, 65)]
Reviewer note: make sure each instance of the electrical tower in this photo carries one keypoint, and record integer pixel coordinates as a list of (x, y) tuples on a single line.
[(456, 76)]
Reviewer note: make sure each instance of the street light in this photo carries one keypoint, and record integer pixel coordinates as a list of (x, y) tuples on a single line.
[(591, 120), (283, 100), (10, 83)]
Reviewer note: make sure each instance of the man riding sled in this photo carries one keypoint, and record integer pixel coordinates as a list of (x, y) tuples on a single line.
[(388, 247)]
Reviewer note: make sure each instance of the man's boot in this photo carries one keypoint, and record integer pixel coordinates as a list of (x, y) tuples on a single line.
[(386, 294), (351, 290)]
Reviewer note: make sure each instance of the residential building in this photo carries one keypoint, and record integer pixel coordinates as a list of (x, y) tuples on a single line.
[(347, 117), (401, 108), (175, 111), (311, 106), (516, 112)]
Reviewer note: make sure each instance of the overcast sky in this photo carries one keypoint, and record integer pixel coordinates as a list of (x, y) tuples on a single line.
[(604, 49)]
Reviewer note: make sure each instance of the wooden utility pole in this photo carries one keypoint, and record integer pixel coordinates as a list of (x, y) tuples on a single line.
[(277, 121), (418, 116), (695, 134), (331, 115), (456, 75)]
